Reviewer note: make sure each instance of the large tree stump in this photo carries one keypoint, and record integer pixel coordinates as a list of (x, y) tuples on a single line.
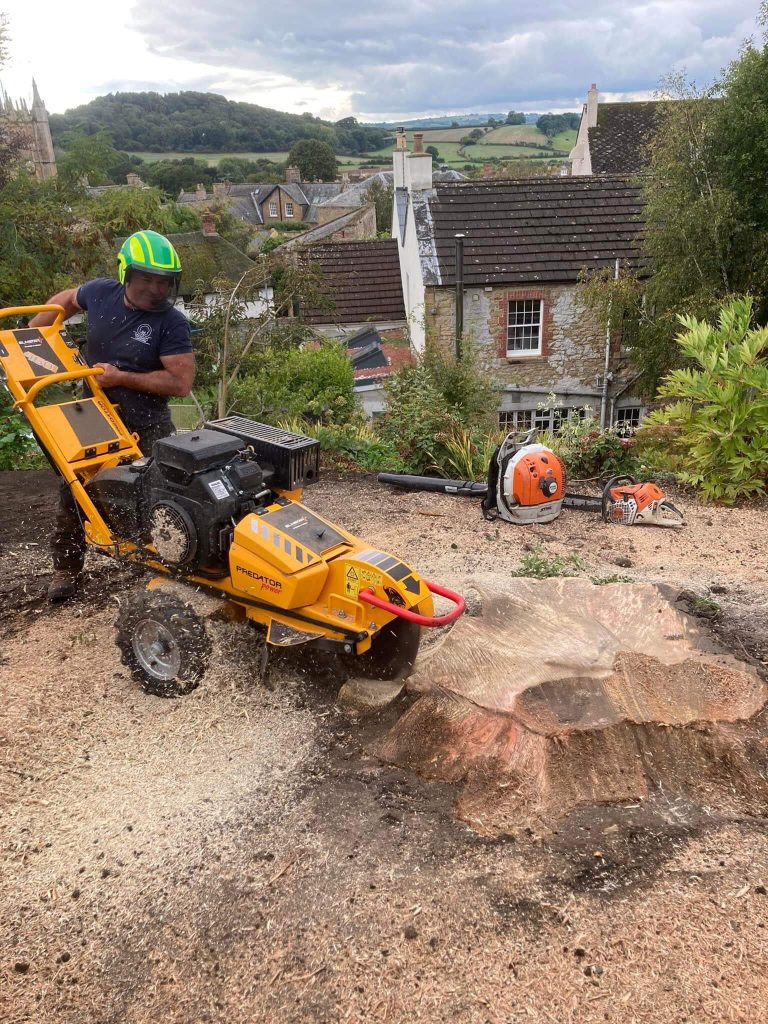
[(561, 694)]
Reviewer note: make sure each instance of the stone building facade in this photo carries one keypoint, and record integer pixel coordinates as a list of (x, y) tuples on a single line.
[(512, 252)]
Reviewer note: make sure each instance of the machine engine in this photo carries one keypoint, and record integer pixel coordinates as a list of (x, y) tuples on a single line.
[(187, 499)]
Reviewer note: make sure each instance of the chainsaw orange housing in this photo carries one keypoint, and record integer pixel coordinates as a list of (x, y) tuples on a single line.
[(538, 477), (643, 495)]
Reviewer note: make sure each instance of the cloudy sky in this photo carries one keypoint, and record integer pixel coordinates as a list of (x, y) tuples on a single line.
[(401, 58)]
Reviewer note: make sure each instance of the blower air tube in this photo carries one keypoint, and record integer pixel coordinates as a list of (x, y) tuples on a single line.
[(465, 488)]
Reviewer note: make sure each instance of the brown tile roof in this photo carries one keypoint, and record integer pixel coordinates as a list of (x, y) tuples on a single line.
[(529, 230), (617, 143), (363, 280)]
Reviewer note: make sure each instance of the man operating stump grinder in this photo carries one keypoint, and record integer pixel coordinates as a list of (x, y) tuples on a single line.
[(142, 343)]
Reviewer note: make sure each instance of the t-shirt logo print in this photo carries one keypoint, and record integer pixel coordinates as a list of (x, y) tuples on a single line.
[(143, 333)]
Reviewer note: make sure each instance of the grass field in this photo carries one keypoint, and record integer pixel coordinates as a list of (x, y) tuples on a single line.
[(515, 133), (495, 143), (210, 158)]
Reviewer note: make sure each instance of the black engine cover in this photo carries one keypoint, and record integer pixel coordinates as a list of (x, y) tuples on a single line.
[(186, 499)]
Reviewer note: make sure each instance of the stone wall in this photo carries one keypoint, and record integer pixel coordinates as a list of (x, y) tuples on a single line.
[(573, 343)]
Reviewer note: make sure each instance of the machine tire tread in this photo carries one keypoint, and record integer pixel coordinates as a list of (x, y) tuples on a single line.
[(187, 629)]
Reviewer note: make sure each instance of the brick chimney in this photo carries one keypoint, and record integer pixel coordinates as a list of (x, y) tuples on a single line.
[(418, 142), (134, 180), (293, 175), (220, 189), (209, 225), (487, 170), (344, 181), (200, 192)]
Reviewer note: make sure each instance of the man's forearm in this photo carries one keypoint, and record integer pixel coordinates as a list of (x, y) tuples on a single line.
[(158, 382)]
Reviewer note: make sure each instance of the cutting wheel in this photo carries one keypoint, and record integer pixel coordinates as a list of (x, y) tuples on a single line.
[(392, 654)]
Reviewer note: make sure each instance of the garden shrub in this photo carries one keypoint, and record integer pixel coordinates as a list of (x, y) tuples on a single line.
[(587, 451), (716, 429)]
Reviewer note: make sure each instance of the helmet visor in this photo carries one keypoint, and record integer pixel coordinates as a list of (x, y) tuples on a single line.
[(154, 291)]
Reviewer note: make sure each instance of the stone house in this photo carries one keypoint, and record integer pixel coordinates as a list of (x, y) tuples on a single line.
[(496, 263)]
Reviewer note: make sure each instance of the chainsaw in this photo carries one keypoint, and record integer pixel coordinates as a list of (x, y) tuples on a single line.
[(527, 484), (216, 512)]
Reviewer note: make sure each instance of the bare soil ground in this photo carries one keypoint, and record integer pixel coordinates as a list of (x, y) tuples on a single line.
[(239, 855)]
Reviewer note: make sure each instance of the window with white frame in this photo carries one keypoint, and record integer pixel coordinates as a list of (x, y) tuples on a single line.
[(524, 327), (273, 209), (289, 209), (542, 419), (627, 420), (515, 419)]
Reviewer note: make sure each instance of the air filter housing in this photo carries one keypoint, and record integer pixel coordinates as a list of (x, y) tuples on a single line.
[(295, 458)]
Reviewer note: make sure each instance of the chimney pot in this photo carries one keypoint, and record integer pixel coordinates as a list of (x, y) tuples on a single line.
[(418, 142)]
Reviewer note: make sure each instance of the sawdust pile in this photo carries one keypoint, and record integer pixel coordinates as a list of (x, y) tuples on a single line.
[(561, 694)]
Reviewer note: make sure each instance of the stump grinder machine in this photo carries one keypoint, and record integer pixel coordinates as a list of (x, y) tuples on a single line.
[(214, 511), (526, 484)]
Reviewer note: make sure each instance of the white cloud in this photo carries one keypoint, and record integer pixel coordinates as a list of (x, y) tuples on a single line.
[(394, 59)]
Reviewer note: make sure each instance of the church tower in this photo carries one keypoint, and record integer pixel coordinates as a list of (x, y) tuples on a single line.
[(45, 160), (37, 144)]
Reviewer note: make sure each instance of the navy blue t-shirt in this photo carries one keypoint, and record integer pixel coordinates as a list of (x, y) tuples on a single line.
[(132, 340)]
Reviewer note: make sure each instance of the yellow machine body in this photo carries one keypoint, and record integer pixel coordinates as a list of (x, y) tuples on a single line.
[(290, 570)]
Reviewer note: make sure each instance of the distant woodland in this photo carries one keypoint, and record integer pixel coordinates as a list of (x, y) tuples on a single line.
[(201, 122)]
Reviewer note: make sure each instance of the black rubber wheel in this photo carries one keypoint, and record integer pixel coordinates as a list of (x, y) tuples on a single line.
[(163, 642), (392, 653)]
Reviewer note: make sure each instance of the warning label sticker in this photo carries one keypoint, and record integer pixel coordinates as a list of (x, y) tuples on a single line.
[(351, 582), (357, 579)]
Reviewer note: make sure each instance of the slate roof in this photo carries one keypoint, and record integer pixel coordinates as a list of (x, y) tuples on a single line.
[(363, 280), (617, 143), (528, 230)]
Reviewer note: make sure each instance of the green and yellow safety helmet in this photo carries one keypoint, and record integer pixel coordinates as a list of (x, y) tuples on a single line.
[(151, 253)]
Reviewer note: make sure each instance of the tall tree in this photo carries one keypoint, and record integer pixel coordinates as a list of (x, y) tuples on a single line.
[(315, 160)]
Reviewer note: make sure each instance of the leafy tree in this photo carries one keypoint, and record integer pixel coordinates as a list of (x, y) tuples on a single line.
[(175, 176), (316, 381), (44, 246), (238, 169), (552, 124), (433, 152), (515, 117), (121, 211), (382, 197), (719, 419), (315, 160), (87, 156)]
